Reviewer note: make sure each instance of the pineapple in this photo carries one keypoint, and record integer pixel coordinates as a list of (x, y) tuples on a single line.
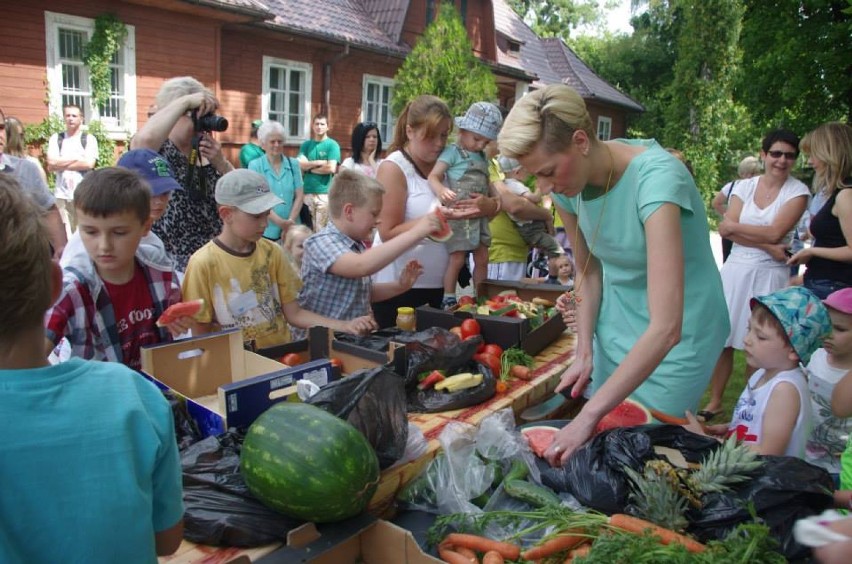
[(730, 464), (656, 498)]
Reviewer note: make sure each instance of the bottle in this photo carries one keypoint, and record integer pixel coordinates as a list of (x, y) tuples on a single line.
[(405, 319)]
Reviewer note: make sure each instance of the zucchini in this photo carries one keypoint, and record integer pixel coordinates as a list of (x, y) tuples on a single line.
[(537, 496), (518, 471)]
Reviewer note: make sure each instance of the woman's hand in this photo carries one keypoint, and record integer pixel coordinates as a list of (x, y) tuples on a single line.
[(568, 439), (726, 227), (211, 150), (577, 375), (566, 305), (204, 102), (801, 257)]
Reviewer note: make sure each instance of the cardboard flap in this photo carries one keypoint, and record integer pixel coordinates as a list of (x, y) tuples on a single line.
[(302, 536)]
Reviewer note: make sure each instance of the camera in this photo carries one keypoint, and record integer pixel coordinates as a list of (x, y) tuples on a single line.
[(208, 122)]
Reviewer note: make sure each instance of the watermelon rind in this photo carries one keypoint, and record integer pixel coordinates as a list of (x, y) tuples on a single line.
[(308, 464)]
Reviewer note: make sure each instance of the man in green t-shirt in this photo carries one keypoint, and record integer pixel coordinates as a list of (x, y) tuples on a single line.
[(252, 149), (318, 158)]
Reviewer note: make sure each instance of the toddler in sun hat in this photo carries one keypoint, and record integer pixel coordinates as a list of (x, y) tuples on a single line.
[(773, 413), (828, 366), (460, 173)]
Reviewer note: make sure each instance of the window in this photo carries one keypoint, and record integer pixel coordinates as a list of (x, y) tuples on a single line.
[(287, 96), (514, 47), (68, 77), (604, 128), (376, 105)]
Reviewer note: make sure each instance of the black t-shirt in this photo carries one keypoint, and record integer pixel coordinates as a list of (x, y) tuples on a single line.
[(827, 234)]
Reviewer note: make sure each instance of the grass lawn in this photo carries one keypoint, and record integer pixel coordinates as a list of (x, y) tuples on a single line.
[(735, 387)]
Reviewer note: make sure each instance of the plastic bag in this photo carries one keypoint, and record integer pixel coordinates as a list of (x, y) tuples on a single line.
[(220, 510), (415, 447), (438, 349), (373, 401), (186, 429), (783, 490), (377, 340)]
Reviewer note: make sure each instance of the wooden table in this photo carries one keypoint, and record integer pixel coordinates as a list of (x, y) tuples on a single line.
[(550, 363)]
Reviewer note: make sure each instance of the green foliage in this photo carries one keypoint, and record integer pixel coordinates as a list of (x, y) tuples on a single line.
[(442, 64), (106, 145), (107, 39), (556, 18)]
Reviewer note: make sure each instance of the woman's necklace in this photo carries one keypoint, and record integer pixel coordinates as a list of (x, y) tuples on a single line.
[(414, 164), (572, 297)]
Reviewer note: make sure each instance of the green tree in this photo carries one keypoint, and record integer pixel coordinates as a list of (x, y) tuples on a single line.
[(797, 62), (442, 63), (556, 18)]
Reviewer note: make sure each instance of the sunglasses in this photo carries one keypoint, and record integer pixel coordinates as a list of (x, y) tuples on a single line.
[(790, 156), (370, 124)]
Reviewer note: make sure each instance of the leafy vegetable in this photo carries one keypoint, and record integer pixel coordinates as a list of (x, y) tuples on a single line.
[(514, 356)]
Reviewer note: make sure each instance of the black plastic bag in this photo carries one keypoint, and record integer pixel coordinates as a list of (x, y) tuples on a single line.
[(186, 429), (372, 401), (377, 340), (783, 490), (220, 510), (439, 349)]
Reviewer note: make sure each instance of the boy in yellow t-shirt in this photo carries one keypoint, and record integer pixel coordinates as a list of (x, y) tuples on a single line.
[(245, 279)]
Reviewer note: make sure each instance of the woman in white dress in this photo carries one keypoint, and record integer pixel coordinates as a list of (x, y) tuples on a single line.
[(366, 149), (761, 216)]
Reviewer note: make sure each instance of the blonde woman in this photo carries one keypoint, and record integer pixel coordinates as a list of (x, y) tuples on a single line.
[(636, 220), (16, 144), (829, 260)]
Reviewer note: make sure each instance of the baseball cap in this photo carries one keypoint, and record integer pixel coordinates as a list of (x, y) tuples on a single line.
[(841, 300), (482, 118), (153, 168), (256, 123), (247, 191), (803, 317)]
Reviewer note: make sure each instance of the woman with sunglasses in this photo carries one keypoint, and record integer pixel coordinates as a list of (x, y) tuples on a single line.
[(829, 260), (366, 149), (762, 213)]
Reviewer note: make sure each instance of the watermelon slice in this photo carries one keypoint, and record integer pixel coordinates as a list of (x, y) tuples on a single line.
[(180, 309), (446, 232), (539, 438), (626, 414)]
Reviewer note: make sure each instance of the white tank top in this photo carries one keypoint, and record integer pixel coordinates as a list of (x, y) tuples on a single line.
[(433, 256)]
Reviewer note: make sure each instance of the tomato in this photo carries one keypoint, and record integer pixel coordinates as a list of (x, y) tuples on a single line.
[(493, 349), (291, 359), (470, 327), (466, 300), (336, 363), (491, 361), (456, 331)]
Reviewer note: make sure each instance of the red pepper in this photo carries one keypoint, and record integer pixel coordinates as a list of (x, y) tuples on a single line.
[(429, 381)]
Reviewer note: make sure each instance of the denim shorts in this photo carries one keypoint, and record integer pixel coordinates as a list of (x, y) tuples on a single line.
[(822, 287)]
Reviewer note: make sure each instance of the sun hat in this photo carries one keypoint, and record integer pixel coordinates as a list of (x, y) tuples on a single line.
[(247, 191), (803, 317), (152, 167), (841, 300), (482, 118), (507, 164)]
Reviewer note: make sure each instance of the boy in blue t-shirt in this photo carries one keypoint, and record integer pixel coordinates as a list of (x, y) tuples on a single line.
[(90, 466)]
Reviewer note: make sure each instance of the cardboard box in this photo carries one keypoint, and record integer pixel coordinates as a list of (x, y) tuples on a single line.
[(501, 330), (321, 344), (223, 384), (360, 539)]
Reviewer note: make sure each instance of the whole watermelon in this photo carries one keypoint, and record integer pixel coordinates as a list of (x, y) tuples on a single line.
[(309, 464)]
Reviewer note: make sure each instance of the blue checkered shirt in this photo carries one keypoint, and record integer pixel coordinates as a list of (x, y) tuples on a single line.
[(326, 293)]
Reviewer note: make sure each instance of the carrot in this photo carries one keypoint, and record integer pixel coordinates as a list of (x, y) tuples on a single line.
[(521, 372), (450, 556), (493, 557), (509, 551), (501, 387), (668, 419), (568, 539), (582, 550), (667, 536), (467, 553)]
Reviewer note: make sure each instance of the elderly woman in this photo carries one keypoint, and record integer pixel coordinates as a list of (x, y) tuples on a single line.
[(192, 217), (637, 221), (420, 135), (284, 178), (366, 149)]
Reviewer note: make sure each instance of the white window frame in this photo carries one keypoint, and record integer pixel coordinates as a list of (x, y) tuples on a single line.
[(604, 123), (385, 129), (307, 68), (52, 22)]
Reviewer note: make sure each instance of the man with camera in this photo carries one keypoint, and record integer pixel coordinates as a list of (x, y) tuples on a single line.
[(181, 131)]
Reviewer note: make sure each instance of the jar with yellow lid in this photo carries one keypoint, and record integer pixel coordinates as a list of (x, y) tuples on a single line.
[(405, 319)]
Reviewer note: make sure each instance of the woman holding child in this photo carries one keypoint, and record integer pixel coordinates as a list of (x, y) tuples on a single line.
[(420, 135), (634, 217)]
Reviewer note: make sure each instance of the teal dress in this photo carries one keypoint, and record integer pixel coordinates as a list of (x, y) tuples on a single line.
[(283, 185), (653, 178)]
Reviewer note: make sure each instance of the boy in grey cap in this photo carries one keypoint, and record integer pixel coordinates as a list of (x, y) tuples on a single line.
[(535, 233), (466, 170), (244, 279)]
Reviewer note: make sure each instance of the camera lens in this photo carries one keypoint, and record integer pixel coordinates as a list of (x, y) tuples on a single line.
[(212, 122)]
